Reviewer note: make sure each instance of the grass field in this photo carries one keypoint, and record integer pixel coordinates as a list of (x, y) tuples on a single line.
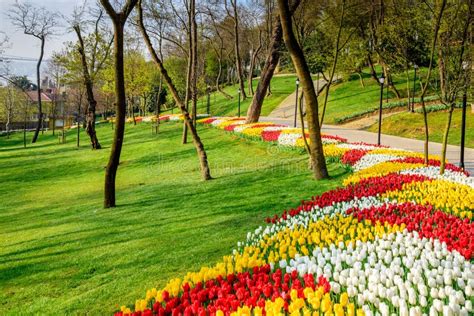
[(411, 125), (281, 87), (62, 253), (350, 96)]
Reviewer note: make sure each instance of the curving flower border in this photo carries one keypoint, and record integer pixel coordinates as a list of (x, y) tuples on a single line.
[(397, 238)]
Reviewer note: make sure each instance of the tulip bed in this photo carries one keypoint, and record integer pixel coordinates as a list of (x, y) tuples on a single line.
[(396, 239), (176, 117)]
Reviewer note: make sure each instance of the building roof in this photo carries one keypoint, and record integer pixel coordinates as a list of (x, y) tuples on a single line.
[(33, 95)]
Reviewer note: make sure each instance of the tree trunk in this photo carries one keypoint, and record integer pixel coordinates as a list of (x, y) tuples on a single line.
[(38, 82), (9, 107), (408, 83), (205, 170), (189, 76), (317, 155), (253, 60), (54, 116), (445, 140), (7, 125), (361, 79), (425, 85), (121, 106), (271, 62), (442, 71), (88, 84), (218, 79), (194, 63), (300, 106), (389, 80), (263, 86), (238, 60), (132, 109), (373, 73)]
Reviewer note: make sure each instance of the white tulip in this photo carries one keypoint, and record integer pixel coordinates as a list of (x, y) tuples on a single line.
[(460, 297), (411, 296), (403, 311), (447, 311), (433, 311), (431, 282), (415, 311), (384, 309), (455, 308), (468, 305), (423, 302), (438, 305), (395, 300), (468, 290), (441, 293)]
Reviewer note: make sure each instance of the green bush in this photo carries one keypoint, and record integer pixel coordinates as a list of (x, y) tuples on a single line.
[(438, 107)]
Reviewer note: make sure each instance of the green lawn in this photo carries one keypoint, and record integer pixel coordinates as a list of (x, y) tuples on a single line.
[(350, 96), (62, 253), (281, 87), (411, 125)]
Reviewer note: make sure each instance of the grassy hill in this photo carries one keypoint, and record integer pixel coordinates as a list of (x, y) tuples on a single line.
[(350, 96), (411, 125), (62, 253)]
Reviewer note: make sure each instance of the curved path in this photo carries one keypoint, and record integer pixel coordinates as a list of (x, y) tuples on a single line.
[(355, 135)]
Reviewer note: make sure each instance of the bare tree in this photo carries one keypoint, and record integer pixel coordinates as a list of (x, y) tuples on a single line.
[(194, 64), (238, 60), (40, 23), (255, 49), (57, 71), (191, 89), (218, 48), (118, 19), (92, 63), (205, 170), (318, 163), (4, 42), (271, 62)]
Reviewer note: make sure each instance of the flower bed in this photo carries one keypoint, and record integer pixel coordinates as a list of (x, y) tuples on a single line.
[(397, 238)]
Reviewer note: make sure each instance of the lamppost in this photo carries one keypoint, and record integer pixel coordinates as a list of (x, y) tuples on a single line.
[(296, 101), (415, 67), (239, 101), (381, 80), (463, 120), (409, 92), (386, 90), (208, 99)]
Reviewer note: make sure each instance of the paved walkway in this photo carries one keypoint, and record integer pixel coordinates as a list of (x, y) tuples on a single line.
[(286, 109), (354, 135)]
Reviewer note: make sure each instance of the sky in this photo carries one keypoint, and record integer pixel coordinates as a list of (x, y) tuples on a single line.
[(22, 45), (27, 46)]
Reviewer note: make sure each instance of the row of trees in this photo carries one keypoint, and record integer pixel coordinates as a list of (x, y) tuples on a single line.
[(197, 45)]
